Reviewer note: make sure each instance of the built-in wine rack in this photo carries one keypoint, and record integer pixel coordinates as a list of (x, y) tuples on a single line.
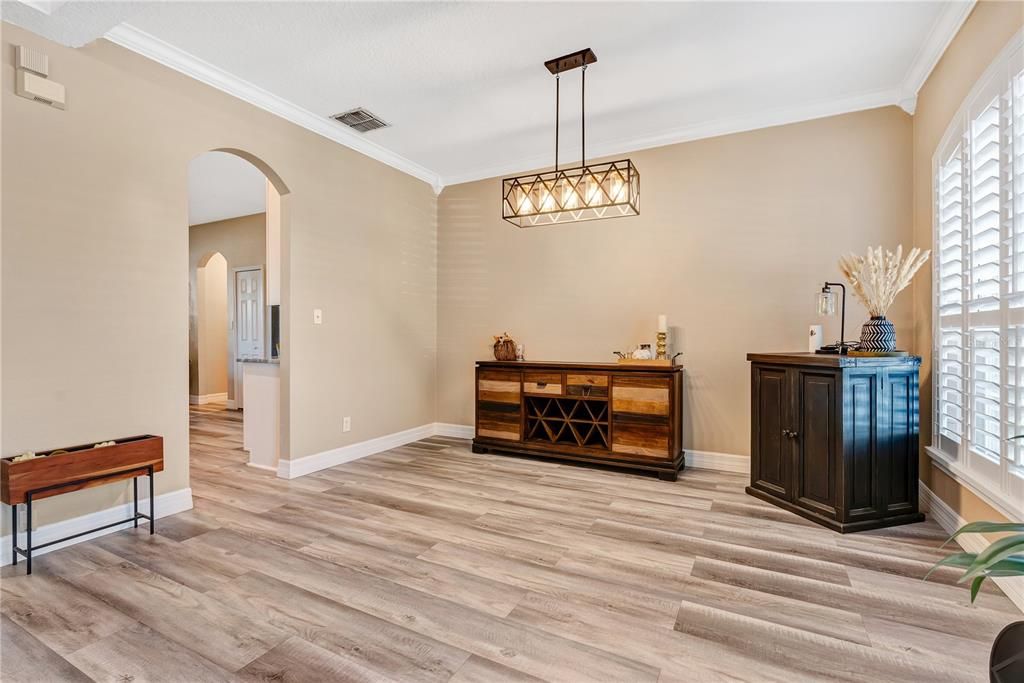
[(572, 421)]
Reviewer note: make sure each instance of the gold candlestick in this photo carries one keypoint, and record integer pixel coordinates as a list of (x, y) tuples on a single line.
[(662, 355)]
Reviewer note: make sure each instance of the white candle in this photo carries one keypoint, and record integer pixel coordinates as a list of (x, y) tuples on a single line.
[(662, 323)]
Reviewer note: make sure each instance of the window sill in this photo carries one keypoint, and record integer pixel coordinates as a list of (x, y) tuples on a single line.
[(1001, 503)]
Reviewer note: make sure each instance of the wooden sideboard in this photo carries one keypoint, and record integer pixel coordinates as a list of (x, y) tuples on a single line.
[(834, 438), (606, 413)]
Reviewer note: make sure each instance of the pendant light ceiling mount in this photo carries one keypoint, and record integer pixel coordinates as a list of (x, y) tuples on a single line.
[(582, 193)]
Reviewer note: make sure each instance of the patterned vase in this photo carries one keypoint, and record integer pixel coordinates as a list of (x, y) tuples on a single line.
[(878, 334)]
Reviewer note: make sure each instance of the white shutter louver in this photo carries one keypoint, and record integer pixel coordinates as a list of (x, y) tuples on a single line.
[(979, 285), (1015, 274), (984, 254), (949, 265)]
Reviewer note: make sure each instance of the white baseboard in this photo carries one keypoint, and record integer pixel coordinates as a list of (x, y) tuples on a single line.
[(232, 405), (290, 469), (947, 518), (454, 431), (257, 466), (170, 503), (705, 460), (207, 398), (722, 462)]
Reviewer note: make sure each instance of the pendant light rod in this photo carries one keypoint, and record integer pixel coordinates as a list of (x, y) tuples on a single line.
[(557, 81), (583, 117)]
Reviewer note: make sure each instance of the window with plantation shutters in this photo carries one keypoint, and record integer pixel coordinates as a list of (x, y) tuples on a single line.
[(978, 279)]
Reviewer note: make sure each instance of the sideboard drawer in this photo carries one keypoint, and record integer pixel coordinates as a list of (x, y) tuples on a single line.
[(586, 385), (542, 383)]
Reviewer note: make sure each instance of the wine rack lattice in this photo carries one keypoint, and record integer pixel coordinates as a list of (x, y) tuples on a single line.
[(570, 421)]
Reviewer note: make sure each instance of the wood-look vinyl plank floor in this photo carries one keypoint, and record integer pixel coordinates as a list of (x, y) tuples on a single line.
[(430, 563)]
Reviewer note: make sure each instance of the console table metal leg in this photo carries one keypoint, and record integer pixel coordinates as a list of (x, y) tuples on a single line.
[(28, 533), (14, 534), (135, 502), (152, 504)]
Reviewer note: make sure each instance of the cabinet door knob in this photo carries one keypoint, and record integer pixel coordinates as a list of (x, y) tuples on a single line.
[(792, 435), (785, 432)]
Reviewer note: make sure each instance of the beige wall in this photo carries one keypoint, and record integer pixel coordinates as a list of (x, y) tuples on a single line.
[(95, 267), (212, 327), (735, 237), (986, 31), (242, 242)]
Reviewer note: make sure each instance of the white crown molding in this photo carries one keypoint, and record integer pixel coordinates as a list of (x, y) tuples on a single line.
[(133, 39), (170, 503), (941, 34), (47, 7), (698, 131)]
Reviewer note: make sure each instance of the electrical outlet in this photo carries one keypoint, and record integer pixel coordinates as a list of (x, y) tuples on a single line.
[(318, 316), (346, 424)]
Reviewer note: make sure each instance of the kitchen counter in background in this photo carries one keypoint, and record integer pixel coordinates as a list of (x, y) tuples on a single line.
[(261, 415)]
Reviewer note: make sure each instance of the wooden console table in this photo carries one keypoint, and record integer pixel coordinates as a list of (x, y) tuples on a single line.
[(834, 438), (605, 413), (74, 468)]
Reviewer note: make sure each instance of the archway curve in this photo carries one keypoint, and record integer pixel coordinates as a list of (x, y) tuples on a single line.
[(205, 258), (264, 167)]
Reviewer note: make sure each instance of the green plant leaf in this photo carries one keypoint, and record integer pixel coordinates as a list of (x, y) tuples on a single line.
[(987, 528), (997, 550), (955, 560), (976, 587), (1011, 566)]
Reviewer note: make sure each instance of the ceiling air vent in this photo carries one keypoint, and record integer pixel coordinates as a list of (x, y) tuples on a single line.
[(360, 120)]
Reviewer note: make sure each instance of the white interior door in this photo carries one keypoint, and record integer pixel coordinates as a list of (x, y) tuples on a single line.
[(249, 335)]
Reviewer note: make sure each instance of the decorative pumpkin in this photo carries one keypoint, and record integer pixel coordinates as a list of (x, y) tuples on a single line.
[(504, 347)]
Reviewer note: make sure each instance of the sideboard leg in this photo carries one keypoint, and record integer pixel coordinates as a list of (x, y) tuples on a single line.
[(135, 501), (152, 504), (28, 533), (668, 476), (14, 534)]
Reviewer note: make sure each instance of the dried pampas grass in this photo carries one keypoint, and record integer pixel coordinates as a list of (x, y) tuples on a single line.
[(876, 279)]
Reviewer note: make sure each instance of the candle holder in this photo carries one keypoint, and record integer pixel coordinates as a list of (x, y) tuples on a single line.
[(662, 354)]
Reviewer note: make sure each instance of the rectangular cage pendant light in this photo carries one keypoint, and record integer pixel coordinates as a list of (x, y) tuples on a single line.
[(582, 193)]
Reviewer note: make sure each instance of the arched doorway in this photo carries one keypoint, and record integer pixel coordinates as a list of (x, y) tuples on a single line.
[(237, 308)]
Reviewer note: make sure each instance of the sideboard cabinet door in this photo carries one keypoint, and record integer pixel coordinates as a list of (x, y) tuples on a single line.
[(499, 404), (641, 409), (771, 450), (817, 441)]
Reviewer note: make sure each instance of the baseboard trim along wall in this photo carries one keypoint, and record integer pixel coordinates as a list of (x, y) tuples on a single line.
[(207, 398), (289, 469), (170, 503), (454, 431), (947, 518)]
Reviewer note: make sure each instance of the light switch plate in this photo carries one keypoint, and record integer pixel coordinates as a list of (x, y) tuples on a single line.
[(346, 424), (318, 316)]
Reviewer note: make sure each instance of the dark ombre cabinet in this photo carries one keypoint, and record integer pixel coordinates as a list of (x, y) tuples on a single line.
[(835, 438)]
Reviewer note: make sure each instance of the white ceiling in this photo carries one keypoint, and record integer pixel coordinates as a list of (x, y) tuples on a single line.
[(464, 87), (221, 186)]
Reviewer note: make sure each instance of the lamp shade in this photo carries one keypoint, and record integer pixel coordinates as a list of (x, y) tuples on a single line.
[(826, 302)]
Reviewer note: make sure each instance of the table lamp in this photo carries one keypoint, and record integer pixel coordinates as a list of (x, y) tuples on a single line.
[(827, 307)]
